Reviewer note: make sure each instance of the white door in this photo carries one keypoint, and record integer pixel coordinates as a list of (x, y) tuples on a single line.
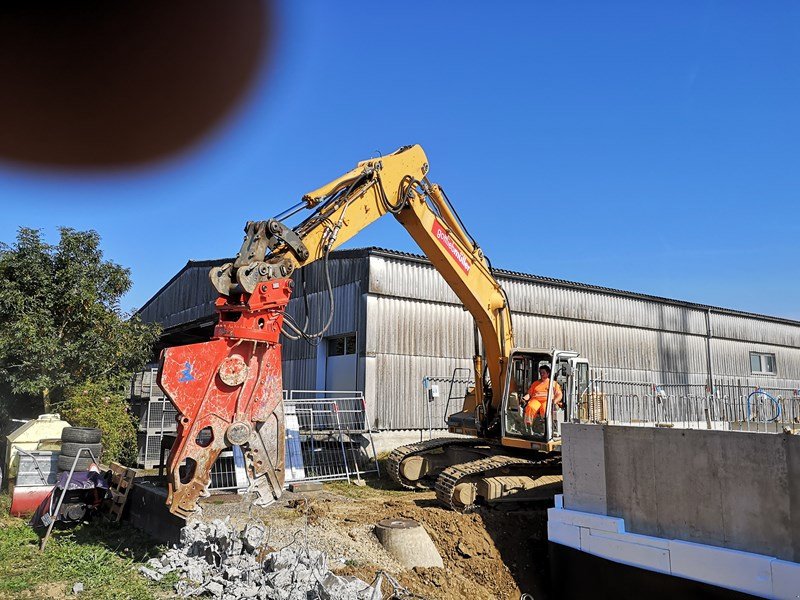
[(341, 363)]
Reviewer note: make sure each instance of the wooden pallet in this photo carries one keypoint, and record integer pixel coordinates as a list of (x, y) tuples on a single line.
[(119, 488)]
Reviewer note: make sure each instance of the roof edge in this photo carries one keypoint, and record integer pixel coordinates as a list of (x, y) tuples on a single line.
[(419, 258), (189, 265), (377, 251)]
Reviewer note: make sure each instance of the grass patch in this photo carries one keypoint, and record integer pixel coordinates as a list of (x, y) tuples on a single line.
[(374, 487), (103, 556)]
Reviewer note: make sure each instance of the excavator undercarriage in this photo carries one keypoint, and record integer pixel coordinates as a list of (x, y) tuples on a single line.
[(469, 472)]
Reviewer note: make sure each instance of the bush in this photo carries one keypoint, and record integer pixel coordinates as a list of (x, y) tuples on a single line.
[(103, 405)]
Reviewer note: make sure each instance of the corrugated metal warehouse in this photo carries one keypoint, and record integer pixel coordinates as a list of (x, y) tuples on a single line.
[(396, 321)]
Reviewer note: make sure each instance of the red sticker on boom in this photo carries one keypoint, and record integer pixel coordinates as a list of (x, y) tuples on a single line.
[(445, 240)]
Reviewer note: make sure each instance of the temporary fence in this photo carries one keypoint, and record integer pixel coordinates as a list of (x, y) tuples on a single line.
[(155, 414), (730, 406), (327, 439), (327, 436), (229, 472), (444, 395)]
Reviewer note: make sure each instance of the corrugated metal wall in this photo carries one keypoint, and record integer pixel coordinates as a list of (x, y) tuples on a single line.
[(736, 327), (732, 361), (417, 327), (301, 360), (187, 298), (409, 325)]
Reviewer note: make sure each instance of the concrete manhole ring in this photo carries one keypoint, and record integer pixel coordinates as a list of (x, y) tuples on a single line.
[(408, 542), (398, 523)]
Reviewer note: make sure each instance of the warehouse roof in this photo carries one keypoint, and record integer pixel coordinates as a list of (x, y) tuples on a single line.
[(408, 256)]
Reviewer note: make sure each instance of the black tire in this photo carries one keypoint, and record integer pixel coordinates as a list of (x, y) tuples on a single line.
[(72, 449), (82, 435), (65, 463)]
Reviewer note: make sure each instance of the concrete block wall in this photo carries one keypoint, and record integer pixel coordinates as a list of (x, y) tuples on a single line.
[(729, 489)]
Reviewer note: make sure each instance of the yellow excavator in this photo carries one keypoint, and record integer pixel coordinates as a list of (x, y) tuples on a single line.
[(228, 390)]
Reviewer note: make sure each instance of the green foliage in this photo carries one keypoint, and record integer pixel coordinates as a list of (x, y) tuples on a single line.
[(102, 556), (60, 320), (103, 405)]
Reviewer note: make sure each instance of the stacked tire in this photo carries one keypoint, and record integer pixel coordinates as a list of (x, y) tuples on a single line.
[(72, 440)]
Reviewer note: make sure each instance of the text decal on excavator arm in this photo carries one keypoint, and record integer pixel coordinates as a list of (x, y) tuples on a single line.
[(445, 240)]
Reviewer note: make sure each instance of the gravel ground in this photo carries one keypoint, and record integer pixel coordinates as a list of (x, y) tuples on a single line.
[(490, 554)]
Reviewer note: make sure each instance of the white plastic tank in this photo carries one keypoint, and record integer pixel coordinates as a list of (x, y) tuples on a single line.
[(42, 433)]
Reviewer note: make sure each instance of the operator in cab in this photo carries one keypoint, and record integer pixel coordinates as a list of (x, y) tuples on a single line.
[(536, 397)]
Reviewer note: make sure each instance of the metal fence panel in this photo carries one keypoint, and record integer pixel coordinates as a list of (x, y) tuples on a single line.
[(328, 436), (729, 406), (443, 396)]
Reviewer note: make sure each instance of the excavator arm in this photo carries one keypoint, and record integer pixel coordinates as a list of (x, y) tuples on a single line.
[(229, 390)]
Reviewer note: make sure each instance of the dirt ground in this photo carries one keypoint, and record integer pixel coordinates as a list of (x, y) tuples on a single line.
[(489, 554)]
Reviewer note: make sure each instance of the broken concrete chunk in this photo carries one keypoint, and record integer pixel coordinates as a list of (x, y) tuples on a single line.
[(77, 588), (254, 536), (194, 573), (215, 589), (149, 573), (216, 559)]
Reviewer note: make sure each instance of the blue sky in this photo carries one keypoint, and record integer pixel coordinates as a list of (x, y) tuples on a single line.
[(646, 147)]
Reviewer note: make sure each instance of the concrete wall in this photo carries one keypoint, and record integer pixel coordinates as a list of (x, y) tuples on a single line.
[(723, 488)]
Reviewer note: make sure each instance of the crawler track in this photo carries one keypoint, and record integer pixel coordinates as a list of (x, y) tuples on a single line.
[(398, 455), (452, 476)]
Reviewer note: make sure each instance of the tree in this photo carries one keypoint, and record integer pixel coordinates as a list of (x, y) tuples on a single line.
[(61, 324), (103, 405)]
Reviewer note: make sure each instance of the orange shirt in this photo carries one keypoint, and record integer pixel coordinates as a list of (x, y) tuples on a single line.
[(537, 405), (538, 390)]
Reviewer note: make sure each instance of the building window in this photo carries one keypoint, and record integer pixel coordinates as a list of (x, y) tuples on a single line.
[(341, 345), (762, 363)]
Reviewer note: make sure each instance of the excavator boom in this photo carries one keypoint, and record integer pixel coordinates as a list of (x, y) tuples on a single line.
[(228, 390)]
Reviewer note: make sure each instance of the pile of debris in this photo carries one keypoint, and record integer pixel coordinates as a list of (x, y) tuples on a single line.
[(215, 559)]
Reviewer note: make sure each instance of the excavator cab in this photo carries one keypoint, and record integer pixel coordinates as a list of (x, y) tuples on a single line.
[(542, 431)]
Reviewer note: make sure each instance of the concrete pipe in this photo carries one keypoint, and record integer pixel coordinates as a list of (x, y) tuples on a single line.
[(408, 543)]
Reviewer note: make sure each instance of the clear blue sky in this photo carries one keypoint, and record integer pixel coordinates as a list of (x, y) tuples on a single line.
[(646, 147)]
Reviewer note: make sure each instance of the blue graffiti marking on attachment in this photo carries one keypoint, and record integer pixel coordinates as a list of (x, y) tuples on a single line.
[(186, 374)]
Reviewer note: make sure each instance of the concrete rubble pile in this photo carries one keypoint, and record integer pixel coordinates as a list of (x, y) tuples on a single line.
[(215, 559)]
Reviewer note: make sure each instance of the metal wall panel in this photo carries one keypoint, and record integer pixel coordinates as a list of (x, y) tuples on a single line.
[(612, 346), (347, 317), (413, 280), (300, 374), (755, 330), (732, 360), (408, 279), (587, 305), (416, 328), (343, 270), (188, 298), (399, 399)]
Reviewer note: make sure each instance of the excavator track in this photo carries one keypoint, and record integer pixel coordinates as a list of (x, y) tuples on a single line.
[(399, 454), (453, 476)]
